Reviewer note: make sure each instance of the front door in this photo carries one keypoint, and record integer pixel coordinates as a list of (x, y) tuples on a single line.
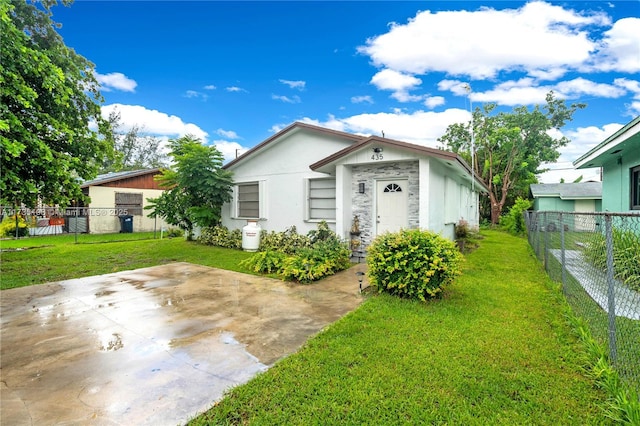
[(391, 205)]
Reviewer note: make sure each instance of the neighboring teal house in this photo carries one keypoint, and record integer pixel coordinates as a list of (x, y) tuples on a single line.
[(567, 197), (619, 157)]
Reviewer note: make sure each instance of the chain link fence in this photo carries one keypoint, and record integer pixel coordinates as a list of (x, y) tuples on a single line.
[(596, 257), (83, 223)]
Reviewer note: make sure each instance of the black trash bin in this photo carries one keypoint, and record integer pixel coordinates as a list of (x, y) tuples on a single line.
[(126, 224)]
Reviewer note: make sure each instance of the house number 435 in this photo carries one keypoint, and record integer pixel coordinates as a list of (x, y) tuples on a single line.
[(376, 156)]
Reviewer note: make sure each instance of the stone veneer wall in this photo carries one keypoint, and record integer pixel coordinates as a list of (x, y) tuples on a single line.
[(362, 204)]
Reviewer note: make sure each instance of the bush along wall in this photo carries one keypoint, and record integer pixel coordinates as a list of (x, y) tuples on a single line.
[(300, 258), (413, 264)]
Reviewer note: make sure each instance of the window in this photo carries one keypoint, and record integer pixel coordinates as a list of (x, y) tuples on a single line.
[(131, 202), (635, 188), (322, 199), (249, 200), (393, 187)]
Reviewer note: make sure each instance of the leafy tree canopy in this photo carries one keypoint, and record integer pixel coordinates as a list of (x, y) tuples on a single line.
[(197, 185), (510, 147), (49, 104), (134, 150)]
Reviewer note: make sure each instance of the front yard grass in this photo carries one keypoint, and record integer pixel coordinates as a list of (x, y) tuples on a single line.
[(495, 350), (47, 259)]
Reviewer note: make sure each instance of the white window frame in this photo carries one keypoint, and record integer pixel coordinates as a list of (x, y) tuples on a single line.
[(308, 200), (262, 200)]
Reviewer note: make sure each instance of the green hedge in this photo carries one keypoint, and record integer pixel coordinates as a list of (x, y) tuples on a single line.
[(412, 264)]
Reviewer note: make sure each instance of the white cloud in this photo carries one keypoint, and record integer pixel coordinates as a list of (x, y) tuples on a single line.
[(632, 86), (457, 87), (292, 100), (580, 86), (297, 84), (235, 89), (419, 127), (229, 134), (474, 43), (361, 99), (210, 87), (527, 91), (229, 149), (633, 109), (434, 101), (196, 94), (620, 49), (388, 79), (116, 81), (154, 122)]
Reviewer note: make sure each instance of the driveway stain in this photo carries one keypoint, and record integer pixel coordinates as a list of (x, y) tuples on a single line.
[(151, 346)]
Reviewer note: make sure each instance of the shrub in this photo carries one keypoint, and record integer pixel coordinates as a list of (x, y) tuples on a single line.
[(412, 263), (265, 262), (175, 233), (8, 227), (287, 242), (301, 258), (324, 258), (221, 236), (513, 221), (626, 256)]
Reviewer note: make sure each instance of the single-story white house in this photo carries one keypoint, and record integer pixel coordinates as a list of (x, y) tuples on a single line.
[(305, 174)]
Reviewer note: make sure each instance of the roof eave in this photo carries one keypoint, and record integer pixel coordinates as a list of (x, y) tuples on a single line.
[(593, 157), (289, 128)]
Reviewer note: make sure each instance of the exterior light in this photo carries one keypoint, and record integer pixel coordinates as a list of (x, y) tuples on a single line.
[(360, 276), (361, 188)]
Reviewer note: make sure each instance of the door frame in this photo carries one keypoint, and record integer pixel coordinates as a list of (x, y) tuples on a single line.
[(374, 206)]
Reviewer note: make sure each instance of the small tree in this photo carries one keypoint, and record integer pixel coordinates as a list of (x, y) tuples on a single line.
[(196, 187)]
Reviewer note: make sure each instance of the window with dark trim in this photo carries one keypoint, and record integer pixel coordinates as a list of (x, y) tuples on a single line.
[(635, 188), (249, 200), (129, 202)]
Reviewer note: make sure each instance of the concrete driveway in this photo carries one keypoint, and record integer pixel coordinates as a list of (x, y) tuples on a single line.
[(151, 346)]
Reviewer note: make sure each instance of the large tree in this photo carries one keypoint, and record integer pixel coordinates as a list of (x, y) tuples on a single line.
[(52, 134), (509, 148), (134, 149), (196, 186)]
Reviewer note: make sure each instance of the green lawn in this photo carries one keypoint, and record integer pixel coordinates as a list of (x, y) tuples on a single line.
[(54, 258), (495, 350)]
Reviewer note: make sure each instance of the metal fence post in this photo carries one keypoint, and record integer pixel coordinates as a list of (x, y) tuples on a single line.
[(562, 254), (546, 242), (76, 223), (610, 289)]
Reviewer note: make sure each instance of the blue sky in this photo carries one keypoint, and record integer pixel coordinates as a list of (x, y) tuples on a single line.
[(233, 73)]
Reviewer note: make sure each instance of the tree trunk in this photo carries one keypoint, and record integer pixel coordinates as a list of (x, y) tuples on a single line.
[(496, 209)]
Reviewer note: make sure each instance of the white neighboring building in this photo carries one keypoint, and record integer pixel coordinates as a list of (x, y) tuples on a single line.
[(305, 174)]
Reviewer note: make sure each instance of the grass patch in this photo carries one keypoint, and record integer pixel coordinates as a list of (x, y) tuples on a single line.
[(48, 240), (55, 259), (495, 350)]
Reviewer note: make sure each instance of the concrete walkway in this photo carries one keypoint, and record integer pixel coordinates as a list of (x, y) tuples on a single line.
[(153, 346), (594, 282)]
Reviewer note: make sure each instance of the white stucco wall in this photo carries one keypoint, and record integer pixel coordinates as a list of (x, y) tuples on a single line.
[(283, 165), (103, 217)]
